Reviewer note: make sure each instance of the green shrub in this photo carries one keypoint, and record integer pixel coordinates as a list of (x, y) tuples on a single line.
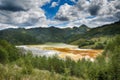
[(8, 51), (85, 43), (113, 52), (99, 46), (3, 55)]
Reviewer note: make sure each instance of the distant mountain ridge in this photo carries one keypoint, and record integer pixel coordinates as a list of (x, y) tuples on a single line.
[(53, 34), (40, 35)]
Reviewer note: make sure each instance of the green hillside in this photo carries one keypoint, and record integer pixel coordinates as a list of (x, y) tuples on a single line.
[(40, 35), (96, 36), (75, 35)]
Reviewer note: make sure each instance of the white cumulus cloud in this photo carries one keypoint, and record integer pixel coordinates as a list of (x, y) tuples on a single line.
[(28, 13), (22, 13), (54, 4), (101, 12)]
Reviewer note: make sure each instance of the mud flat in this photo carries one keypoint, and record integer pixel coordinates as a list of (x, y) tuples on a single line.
[(62, 51)]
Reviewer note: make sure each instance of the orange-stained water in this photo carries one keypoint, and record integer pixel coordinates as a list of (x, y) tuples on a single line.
[(71, 51), (76, 54)]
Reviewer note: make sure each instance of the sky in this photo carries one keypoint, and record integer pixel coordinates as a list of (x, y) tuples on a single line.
[(58, 13)]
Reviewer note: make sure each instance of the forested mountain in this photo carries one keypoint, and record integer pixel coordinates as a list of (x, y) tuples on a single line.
[(53, 34), (102, 31), (40, 35)]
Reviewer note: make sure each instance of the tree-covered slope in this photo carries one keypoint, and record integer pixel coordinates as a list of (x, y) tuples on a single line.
[(97, 34), (40, 35), (53, 34)]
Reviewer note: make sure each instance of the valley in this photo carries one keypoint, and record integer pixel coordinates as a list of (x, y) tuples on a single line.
[(59, 39)]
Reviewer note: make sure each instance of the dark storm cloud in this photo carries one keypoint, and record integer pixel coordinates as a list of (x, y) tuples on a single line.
[(117, 5), (94, 9), (117, 14), (62, 18), (11, 7)]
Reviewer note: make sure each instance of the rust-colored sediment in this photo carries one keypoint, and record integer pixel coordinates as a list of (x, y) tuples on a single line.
[(76, 53)]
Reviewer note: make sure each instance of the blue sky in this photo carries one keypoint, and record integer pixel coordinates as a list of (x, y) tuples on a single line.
[(50, 12), (58, 13)]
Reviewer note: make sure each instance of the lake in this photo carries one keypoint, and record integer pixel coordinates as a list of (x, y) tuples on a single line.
[(62, 51)]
